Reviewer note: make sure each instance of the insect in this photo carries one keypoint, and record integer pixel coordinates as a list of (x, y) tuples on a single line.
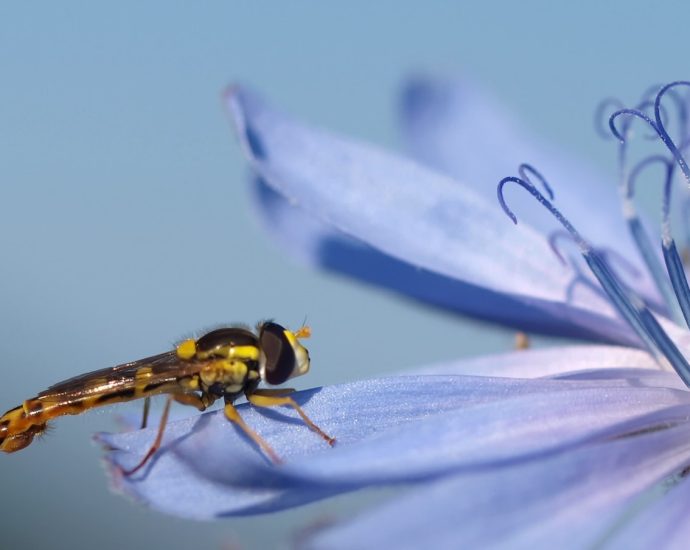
[(224, 363)]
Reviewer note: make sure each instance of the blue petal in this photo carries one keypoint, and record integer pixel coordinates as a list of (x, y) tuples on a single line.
[(322, 246), (662, 524), (392, 430), (422, 219), (462, 130), (571, 500), (584, 361)]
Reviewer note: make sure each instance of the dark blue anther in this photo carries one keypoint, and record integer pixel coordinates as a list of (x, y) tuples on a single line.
[(544, 201), (666, 288), (600, 114), (644, 244), (526, 170), (611, 255), (661, 130), (629, 305), (674, 265)]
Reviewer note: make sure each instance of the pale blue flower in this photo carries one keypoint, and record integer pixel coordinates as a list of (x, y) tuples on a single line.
[(540, 447)]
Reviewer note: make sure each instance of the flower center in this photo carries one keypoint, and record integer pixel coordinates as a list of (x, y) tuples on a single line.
[(670, 281)]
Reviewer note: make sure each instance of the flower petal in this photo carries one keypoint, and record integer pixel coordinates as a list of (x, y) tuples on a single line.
[(422, 219), (561, 360), (457, 127), (322, 246), (392, 430), (489, 434), (569, 500), (662, 524), (175, 488)]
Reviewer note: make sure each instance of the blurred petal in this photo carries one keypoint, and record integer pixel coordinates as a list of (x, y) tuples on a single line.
[(663, 524), (570, 500), (556, 361), (420, 218), (457, 127), (319, 245), (393, 430), (173, 487)]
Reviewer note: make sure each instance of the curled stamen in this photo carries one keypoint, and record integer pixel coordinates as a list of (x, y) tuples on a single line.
[(681, 107), (607, 253), (657, 125), (554, 237), (611, 254), (670, 292), (580, 278), (600, 114), (622, 135), (674, 264), (581, 242), (627, 303), (661, 130), (526, 169), (640, 166), (647, 250), (648, 101)]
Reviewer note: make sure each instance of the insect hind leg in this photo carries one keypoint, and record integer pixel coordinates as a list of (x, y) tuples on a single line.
[(184, 398), (156, 443)]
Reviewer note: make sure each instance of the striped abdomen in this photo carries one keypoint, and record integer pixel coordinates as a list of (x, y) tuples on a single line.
[(20, 425)]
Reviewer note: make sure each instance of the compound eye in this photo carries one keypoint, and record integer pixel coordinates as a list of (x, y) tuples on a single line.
[(280, 356)]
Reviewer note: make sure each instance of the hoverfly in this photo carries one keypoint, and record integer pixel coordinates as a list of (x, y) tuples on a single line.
[(227, 362)]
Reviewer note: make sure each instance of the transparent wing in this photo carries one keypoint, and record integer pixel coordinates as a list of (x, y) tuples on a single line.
[(160, 369)]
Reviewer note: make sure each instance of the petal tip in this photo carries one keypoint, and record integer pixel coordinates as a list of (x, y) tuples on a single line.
[(104, 440), (235, 98)]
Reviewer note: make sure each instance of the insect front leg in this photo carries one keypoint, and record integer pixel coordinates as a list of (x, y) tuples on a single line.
[(233, 416), (276, 398)]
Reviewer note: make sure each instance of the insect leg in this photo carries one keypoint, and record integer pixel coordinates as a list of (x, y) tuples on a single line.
[(233, 416), (156, 443), (145, 418), (191, 399), (272, 398)]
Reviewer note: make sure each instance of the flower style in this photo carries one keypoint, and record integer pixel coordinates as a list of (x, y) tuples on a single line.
[(564, 445)]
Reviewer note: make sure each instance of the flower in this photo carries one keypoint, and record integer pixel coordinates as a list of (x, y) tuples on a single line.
[(460, 254), (535, 447)]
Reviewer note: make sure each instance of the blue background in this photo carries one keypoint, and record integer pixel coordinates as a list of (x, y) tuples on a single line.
[(125, 218)]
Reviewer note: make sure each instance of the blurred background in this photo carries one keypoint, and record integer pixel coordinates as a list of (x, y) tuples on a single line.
[(124, 201)]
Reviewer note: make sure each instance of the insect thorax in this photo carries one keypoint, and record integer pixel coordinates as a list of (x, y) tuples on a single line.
[(233, 362)]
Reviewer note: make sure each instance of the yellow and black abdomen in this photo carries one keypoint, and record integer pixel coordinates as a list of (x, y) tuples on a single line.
[(20, 425), (18, 429)]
